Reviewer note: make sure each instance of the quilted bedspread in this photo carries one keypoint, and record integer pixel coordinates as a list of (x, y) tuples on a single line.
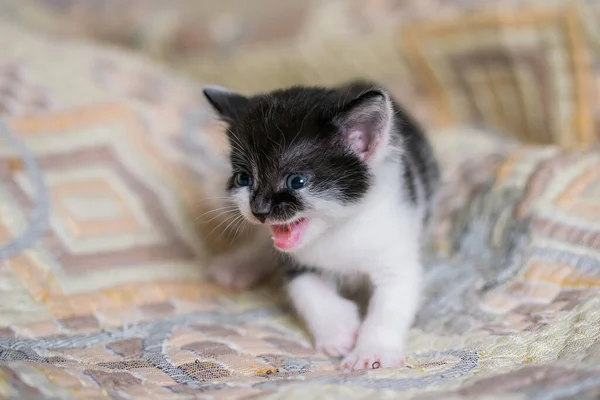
[(108, 173)]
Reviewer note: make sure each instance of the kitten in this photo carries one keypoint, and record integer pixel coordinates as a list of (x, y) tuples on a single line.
[(344, 181)]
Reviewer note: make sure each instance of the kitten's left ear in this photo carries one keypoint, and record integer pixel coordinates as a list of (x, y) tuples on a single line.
[(365, 123), (229, 105)]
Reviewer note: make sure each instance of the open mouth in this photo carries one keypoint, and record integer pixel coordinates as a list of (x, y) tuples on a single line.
[(287, 236)]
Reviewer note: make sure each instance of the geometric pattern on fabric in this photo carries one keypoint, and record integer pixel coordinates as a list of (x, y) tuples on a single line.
[(561, 263), (110, 214), (527, 73)]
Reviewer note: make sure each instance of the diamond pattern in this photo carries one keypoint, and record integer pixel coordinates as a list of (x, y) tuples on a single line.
[(506, 69)]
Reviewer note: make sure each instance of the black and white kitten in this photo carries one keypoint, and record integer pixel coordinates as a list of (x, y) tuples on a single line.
[(343, 181)]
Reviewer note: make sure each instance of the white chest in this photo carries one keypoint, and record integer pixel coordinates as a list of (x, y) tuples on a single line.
[(378, 234)]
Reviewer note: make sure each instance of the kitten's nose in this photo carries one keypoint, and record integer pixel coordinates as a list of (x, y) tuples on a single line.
[(261, 206), (260, 216)]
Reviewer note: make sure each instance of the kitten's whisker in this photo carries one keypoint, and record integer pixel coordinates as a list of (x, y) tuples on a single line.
[(225, 206), (227, 228), (240, 224), (220, 224), (210, 202), (223, 212), (214, 198), (229, 213), (220, 209)]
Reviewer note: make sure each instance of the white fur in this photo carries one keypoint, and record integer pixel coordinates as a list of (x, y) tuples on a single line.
[(332, 320)]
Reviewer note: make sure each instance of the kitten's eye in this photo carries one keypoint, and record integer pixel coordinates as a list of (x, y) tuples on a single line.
[(242, 179), (295, 181)]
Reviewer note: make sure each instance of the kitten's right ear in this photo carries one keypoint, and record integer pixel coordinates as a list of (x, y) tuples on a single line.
[(229, 105)]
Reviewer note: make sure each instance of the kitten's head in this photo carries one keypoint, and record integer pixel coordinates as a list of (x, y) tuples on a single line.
[(302, 158)]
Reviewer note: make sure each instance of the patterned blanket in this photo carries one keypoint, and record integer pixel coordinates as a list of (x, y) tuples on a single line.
[(108, 173)]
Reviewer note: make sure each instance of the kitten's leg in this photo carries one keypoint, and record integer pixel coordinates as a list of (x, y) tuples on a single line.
[(245, 266), (332, 320), (391, 312)]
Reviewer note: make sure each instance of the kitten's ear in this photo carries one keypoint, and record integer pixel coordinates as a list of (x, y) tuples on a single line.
[(365, 123), (229, 105)]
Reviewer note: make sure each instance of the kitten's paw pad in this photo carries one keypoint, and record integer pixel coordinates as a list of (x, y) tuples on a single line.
[(338, 336), (375, 358), (230, 273)]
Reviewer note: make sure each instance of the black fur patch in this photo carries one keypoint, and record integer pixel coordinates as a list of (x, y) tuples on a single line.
[(409, 181), (418, 155)]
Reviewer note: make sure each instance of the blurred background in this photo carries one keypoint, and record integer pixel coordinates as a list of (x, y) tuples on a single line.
[(528, 68)]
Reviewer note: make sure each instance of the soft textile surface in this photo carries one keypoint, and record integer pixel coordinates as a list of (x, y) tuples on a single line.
[(108, 170), (527, 67)]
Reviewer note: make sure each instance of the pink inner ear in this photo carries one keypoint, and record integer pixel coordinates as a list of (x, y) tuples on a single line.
[(363, 143), (364, 125), (359, 141)]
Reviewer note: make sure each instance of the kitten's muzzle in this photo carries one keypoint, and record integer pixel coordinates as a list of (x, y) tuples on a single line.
[(273, 212)]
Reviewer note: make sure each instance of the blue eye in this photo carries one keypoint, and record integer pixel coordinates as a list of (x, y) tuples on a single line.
[(295, 181), (242, 179)]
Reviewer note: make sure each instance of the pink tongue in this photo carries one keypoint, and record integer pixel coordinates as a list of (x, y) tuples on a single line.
[(287, 236)]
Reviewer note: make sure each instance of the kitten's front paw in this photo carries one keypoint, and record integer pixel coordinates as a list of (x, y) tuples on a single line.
[(339, 343), (234, 273), (338, 334), (373, 357)]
